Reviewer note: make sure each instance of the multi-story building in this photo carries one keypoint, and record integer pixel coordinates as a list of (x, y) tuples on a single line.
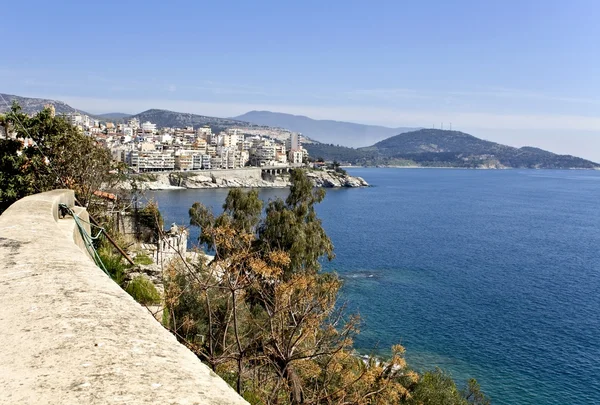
[(264, 153), (201, 161), (149, 127), (296, 156), (184, 160), (204, 133), (213, 139), (200, 145), (293, 142), (151, 161), (74, 119), (230, 140), (134, 124)]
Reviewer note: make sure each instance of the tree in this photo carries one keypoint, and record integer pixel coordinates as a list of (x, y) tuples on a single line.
[(438, 387), (49, 153), (265, 317), (14, 182)]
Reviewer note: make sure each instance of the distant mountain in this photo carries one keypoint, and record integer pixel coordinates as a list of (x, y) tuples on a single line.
[(165, 118), (33, 105), (114, 116), (439, 148), (325, 131), (162, 118)]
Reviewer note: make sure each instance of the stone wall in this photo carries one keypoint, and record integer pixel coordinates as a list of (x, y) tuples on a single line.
[(70, 335)]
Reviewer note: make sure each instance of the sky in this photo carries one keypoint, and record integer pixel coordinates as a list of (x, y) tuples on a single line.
[(517, 72)]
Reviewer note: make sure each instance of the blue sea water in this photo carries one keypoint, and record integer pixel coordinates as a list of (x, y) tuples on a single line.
[(487, 274)]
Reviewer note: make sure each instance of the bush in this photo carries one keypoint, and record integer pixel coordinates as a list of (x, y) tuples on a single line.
[(143, 291), (147, 177)]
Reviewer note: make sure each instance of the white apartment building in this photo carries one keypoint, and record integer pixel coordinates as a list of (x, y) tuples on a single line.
[(149, 127), (293, 142), (184, 161), (265, 153), (151, 161), (204, 133), (296, 156), (200, 145), (134, 124), (201, 161), (77, 119), (230, 140)]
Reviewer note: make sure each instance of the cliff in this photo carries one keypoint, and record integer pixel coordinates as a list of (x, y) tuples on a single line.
[(245, 178)]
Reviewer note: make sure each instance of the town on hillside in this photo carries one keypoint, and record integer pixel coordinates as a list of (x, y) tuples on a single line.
[(146, 148)]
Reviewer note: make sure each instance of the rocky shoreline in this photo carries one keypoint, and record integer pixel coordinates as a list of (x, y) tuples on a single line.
[(231, 179)]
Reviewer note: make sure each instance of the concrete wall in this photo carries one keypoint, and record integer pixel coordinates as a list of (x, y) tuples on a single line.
[(70, 335)]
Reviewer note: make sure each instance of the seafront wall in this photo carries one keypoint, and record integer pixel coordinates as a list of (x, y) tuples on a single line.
[(70, 335)]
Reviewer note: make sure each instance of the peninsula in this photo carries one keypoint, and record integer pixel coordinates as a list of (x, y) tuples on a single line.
[(443, 148), (243, 178)]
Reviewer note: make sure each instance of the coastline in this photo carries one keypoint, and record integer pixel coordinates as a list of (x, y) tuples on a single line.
[(240, 179)]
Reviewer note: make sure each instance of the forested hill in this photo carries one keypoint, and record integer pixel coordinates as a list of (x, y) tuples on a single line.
[(166, 118), (441, 148)]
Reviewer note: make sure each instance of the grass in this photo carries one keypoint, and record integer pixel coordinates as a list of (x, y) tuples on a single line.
[(114, 265), (143, 259), (140, 288)]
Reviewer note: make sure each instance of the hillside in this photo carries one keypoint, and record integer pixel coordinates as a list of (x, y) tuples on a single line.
[(33, 105), (114, 116), (325, 131), (440, 148), (162, 118), (166, 118)]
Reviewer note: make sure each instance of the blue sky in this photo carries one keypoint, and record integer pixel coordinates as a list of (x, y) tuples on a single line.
[(518, 72)]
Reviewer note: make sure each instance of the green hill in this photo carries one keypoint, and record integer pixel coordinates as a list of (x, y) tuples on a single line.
[(440, 148)]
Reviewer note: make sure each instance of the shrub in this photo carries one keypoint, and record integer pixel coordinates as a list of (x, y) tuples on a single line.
[(143, 291)]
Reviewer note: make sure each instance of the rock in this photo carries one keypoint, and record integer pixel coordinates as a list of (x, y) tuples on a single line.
[(152, 272), (228, 179)]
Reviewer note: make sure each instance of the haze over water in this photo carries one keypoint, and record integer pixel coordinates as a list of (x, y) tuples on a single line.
[(489, 274)]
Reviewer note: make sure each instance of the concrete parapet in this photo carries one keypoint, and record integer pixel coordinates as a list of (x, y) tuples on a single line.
[(70, 335)]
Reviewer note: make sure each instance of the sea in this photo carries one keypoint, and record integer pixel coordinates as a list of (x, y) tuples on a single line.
[(490, 274)]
